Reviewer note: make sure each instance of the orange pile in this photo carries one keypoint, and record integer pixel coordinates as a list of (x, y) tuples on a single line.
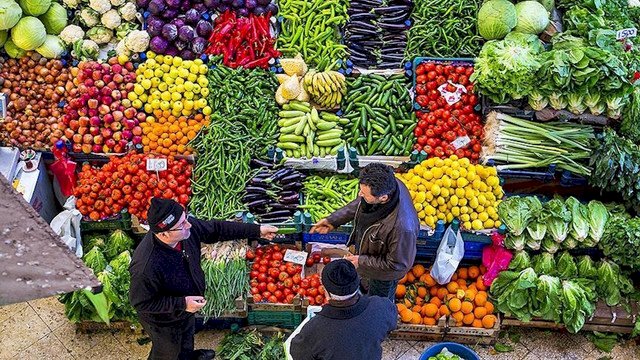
[(420, 300), (167, 134)]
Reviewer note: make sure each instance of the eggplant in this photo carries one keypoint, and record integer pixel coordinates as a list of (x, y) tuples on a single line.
[(249, 197), (256, 163), (279, 206), (255, 190), (258, 203), (396, 19), (389, 9), (392, 26), (278, 213), (292, 186), (285, 171), (289, 199), (361, 25), (362, 16), (295, 177)]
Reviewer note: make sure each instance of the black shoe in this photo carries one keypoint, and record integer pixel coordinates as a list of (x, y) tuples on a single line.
[(204, 354)]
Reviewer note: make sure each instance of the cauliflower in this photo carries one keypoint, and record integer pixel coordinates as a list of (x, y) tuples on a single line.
[(101, 6), (137, 41), (71, 4), (111, 19), (89, 17), (100, 34), (71, 34), (121, 49), (85, 49), (124, 29), (128, 11), (117, 2)]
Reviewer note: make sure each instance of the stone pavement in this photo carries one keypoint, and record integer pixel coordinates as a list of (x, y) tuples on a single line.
[(39, 330)]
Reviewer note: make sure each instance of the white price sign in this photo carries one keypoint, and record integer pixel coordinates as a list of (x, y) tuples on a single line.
[(296, 257), (461, 142), (626, 33), (3, 105), (156, 164)]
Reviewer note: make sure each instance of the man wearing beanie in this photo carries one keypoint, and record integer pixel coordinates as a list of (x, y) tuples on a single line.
[(385, 229), (351, 326), (167, 282)]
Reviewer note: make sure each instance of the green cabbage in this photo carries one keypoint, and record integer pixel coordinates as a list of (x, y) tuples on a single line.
[(586, 268), (95, 260), (55, 19), (548, 4), (559, 218), (579, 219), (34, 7), (520, 261), (118, 242), (518, 299), (496, 19), (532, 17), (598, 217), (515, 213), (548, 297), (12, 50), (544, 263), (567, 268), (3, 36), (52, 48), (11, 13), (537, 228), (29, 33), (549, 245), (515, 242), (608, 274), (576, 306)]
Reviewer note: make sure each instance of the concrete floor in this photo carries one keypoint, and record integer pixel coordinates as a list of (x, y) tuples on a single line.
[(39, 330)]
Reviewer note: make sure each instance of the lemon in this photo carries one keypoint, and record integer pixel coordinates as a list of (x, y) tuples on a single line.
[(476, 225), (448, 171), (158, 72), (155, 82), (493, 181), (148, 73), (455, 211), (202, 81), (143, 98), (443, 209), (460, 192), (132, 96), (455, 174), (183, 73), (461, 182), (471, 175), (429, 196), (481, 199), (148, 108), (483, 187), (203, 69), (437, 172), (166, 96), (189, 95), (165, 105), (446, 182), (489, 224), (176, 96), (151, 63), (146, 83), (170, 81), (434, 202), (447, 162), (466, 225), (465, 217), (430, 162), (421, 187), (463, 202), (473, 202), (441, 200), (483, 216), (165, 68), (468, 192), (491, 210), (420, 197), (497, 223), (441, 216), (435, 189), (177, 105), (444, 192), (455, 165), (192, 77), (449, 218), (421, 214), (155, 103), (473, 216), (418, 206), (179, 81), (438, 162), (454, 200)]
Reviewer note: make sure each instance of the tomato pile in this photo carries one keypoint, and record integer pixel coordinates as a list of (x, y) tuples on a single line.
[(443, 125), (276, 281), (124, 182)]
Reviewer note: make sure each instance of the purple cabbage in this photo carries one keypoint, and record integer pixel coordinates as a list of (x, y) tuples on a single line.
[(250, 4), (172, 51), (271, 8), (185, 5), (243, 12), (198, 45), (237, 3), (192, 16), (187, 54), (156, 7), (258, 10), (200, 7), (174, 4), (154, 26), (227, 2), (180, 45), (158, 45), (142, 3), (204, 28), (186, 33), (170, 13), (170, 32), (179, 22), (211, 4)]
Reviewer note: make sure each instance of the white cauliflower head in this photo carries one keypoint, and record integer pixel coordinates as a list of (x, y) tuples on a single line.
[(89, 17), (137, 41), (90, 49), (100, 34), (71, 4), (71, 34), (117, 2), (121, 48), (128, 11), (111, 19), (101, 6)]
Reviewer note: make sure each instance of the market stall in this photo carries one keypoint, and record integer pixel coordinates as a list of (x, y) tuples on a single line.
[(514, 126)]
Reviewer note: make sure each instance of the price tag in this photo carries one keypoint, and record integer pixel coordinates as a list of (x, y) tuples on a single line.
[(156, 164), (296, 257), (3, 106), (626, 33), (452, 97), (461, 142)]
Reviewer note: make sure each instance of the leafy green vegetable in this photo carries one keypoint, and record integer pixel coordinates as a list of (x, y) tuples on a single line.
[(550, 245), (515, 213), (92, 241), (598, 215), (569, 243), (515, 242), (55, 19), (10, 14), (630, 125), (579, 219), (95, 260), (533, 18), (29, 33), (250, 345), (607, 282), (520, 261), (586, 268), (548, 296), (121, 285), (576, 307), (559, 218), (544, 263), (34, 7), (567, 268), (118, 242), (604, 342), (537, 228), (52, 48), (518, 297), (496, 18)]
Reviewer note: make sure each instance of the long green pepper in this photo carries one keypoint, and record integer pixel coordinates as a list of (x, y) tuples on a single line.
[(324, 195)]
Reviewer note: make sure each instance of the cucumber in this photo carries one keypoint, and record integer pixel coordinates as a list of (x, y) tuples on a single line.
[(286, 122), (329, 136), (324, 125), (300, 128), (329, 117), (289, 129), (288, 146), (328, 143), (291, 138), (290, 113)]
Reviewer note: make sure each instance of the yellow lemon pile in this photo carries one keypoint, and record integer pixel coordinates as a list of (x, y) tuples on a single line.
[(169, 83), (454, 188)]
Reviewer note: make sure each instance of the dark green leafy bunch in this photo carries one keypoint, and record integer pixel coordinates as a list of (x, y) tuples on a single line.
[(621, 241), (251, 346), (630, 125)]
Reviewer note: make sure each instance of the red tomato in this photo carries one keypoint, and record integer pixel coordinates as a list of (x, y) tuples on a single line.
[(421, 89), (266, 294), (301, 292), (257, 298), (432, 75), (304, 284), (289, 299), (319, 299), (431, 85), (254, 274), (283, 276), (250, 255), (422, 140), (429, 66), (421, 79), (277, 256), (297, 279), (254, 291), (262, 286), (279, 295), (312, 292), (326, 260), (420, 69), (314, 282), (274, 272), (288, 283), (417, 132), (310, 261), (273, 299), (271, 287), (291, 270), (316, 257)]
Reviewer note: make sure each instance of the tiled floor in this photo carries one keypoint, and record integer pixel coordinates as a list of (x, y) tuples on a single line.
[(39, 330)]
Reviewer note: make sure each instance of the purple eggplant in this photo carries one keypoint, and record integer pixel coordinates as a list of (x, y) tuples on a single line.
[(198, 45), (192, 16), (186, 33), (158, 45), (170, 31), (156, 7), (204, 28)]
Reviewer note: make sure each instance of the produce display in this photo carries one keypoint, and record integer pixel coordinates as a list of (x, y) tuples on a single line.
[(448, 122), (167, 134), (444, 29), (225, 269), (307, 132), (251, 345), (273, 195), (497, 18), (277, 281), (312, 28), (100, 116), (454, 188), (325, 88), (34, 87), (324, 195), (377, 38), (380, 114), (254, 46), (445, 355), (566, 145), (420, 300), (125, 183)]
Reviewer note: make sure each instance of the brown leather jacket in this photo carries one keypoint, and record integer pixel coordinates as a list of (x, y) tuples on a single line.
[(388, 247)]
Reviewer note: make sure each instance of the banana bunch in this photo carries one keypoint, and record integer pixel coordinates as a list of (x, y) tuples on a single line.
[(326, 88)]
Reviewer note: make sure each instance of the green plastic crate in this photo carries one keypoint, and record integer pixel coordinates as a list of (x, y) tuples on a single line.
[(122, 222), (284, 319)]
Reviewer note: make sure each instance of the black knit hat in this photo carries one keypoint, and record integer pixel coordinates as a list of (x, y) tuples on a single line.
[(340, 278), (163, 214)]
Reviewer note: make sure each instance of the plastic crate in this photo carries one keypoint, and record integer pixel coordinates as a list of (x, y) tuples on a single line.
[(568, 179), (121, 222), (294, 228), (284, 319), (442, 61), (473, 245), (338, 237), (515, 108)]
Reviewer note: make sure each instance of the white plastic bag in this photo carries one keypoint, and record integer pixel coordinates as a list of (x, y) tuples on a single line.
[(67, 225), (450, 252)]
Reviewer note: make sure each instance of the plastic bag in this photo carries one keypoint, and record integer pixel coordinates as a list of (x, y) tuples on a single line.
[(450, 252), (67, 226), (64, 170), (495, 258)]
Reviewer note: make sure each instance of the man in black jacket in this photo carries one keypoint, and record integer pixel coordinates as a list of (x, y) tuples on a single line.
[(351, 326), (167, 281)]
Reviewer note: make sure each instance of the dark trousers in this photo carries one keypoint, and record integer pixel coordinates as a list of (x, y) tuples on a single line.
[(383, 288), (171, 342)]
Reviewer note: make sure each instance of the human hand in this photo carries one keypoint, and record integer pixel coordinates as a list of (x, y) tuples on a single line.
[(353, 259), (322, 227), (268, 232), (194, 303)]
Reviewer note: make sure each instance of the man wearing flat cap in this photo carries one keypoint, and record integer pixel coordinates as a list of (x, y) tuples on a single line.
[(167, 281), (351, 326)]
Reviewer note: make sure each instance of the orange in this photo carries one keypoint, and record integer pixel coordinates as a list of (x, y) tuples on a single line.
[(458, 323), (473, 287), (403, 280), (416, 318), (466, 307), (462, 284), (469, 295), (416, 308), (462, 273), (483, 269), (474, 272), (454, 277), (429, 281), (406, 315), (481, 298), (435, 301), (429, 321), (477, 323), (450, 296), (411, 278), (488, 321), (460, 294), (400, 307), (480, 284), (430, 310), (442, 292), (419, 300), (455, 305), (418, 270), (444, 310), (433, 291), (480, 312), (422, 292), (407, 303), (468, 319), (457, 316), (452, 287), (401, 290), (489, 307)]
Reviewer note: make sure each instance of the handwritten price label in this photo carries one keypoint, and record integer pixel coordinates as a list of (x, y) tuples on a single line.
[(296, 257), (626, 33), (461, 142), (156, 164), (3, 106)]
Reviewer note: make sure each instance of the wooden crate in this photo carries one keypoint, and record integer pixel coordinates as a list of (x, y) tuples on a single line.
[(299, 305), (446, 330), (605, 319)]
